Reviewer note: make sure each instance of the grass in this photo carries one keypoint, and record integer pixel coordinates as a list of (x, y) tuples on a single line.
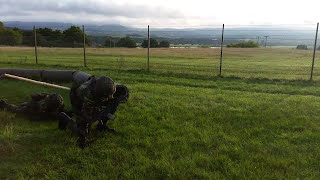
[(181, 122)]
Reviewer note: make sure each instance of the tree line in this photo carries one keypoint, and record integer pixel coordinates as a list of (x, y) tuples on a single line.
[(71, 37)]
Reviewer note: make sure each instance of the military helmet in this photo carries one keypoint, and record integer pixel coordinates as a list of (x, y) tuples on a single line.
[(54, 102), (105, 87)]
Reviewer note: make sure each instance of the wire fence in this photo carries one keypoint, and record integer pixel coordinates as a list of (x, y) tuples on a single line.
[(274, 53)]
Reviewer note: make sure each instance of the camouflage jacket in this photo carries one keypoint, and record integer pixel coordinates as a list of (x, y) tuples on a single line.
[(40, 103), (83, 101)]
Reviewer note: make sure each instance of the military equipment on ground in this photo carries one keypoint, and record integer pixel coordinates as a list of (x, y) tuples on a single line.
[(55, 76), (34, 81)]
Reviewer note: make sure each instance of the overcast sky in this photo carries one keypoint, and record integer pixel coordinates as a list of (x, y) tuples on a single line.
[(163, 13)]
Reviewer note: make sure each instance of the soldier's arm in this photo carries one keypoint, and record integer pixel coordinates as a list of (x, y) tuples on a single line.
[(88, 109)]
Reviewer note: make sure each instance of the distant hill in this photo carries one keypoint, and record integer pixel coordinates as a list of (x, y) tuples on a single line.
[(90, 29), (29, 25), (277, 36)]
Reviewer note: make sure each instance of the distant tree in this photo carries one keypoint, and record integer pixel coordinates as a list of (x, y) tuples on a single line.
[(153, 43), (49, 37), (302, 47), (164, 44), (74, 37), (109, 43), (244, 44), (1, 27), (319, 48), (10, 36), (126, 42), (28, 38)]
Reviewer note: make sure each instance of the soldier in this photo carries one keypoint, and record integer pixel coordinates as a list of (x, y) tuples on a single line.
[(92, 101), (41, 106)]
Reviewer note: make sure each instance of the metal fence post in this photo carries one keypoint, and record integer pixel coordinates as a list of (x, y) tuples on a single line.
[(35, 43), (265, 42), (314, 52), (148, 48), (221, 53), (84, 47)]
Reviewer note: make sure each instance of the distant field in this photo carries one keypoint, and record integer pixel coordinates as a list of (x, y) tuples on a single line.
[(270, 63), (260, 121)]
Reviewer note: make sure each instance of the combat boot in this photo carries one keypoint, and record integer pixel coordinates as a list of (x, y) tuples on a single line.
[(64, 120), (103, 127)]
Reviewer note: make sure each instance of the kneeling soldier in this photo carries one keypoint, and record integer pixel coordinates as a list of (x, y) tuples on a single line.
[(92, 101)]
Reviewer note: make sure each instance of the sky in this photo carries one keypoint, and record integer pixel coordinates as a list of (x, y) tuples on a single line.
[(163, 13)]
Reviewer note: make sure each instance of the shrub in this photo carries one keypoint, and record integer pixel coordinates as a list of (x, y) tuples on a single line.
[(10, 37), (165, 44), (126, 42), (302, 46), (74, 37), (244, 44), (109, 43), (153, 43)]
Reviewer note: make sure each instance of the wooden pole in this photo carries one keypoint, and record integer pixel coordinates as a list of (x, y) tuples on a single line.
[(221, 53), (314, 52), (148, 48), (84, 47), (35, 43), (35, 82)]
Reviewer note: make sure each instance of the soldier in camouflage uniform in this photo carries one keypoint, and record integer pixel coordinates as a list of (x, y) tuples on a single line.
[(41, 106), (91, 101)]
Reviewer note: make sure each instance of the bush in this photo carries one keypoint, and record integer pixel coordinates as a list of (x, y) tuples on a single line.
[(126, 42), (153, 43), (302, 46), (165, 44), (109, 43), (244, 44), (73, 37), (10, 37)]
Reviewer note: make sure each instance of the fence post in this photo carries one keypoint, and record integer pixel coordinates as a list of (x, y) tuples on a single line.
[(221, 53), (148, 48), (265, 42), (314, 52), (84, 47), (35, 43)]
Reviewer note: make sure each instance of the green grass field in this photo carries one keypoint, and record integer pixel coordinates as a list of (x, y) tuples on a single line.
[(260, 121)]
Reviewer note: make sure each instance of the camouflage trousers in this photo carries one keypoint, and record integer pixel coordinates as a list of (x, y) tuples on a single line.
[(26, 108), (31, 110), (82, 126)]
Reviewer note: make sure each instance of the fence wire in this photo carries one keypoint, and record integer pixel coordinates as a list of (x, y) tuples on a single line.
[(281, 53)]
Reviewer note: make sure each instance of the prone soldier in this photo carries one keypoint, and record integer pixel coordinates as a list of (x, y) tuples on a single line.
[(41, 106), (94, 100)]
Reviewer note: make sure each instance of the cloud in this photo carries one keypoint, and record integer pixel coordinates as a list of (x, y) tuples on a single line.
[(161, 13), (84, 10)]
